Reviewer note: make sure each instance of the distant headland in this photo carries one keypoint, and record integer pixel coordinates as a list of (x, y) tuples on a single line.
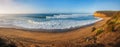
[(104, 13)]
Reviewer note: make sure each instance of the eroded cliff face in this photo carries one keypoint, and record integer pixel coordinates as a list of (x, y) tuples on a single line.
[(104, 13), (99, 15)]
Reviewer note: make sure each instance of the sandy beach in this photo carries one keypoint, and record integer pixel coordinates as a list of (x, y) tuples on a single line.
[(28, 38), (59, 23)]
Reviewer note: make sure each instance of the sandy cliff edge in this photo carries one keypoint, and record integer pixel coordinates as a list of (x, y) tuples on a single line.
[(103, 14)]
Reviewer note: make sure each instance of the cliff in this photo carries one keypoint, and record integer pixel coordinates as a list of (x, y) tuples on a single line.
[(104, 13)]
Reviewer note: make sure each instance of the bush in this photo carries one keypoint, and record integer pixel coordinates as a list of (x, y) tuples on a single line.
[(99, 31)]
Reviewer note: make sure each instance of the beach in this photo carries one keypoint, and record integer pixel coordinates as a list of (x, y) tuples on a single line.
[(59, 23), (32, 38)]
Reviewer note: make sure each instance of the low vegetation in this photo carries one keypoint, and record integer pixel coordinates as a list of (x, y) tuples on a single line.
[(111, 25), (114, 23), (99, 31), (6, 43)]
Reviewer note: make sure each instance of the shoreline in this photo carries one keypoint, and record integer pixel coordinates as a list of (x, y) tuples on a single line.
[(53, 30), (44, 39), (66, 30)]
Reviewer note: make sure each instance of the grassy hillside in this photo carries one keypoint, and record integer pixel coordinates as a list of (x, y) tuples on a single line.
[(114, 23), (111, 25), (109, 33)]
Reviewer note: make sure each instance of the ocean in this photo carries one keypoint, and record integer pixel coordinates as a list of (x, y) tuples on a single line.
[(47, 21)]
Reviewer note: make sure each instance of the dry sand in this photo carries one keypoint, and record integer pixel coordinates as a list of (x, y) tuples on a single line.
[(44, 39)]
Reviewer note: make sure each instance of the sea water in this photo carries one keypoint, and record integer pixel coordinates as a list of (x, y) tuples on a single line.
[(47, 21)]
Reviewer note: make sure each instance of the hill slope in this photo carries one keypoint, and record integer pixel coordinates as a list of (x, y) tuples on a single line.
[(109, 33), (114, 23)]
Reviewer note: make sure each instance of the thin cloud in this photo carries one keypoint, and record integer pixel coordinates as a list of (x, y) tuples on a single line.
[(6, 1), (10, 6)]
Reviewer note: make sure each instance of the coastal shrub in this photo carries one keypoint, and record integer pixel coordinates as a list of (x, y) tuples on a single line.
[(93, 29), (6, 43), (117, 28), (114, 22), (99, 31), (113, 25), (95, 45), (113, 29)]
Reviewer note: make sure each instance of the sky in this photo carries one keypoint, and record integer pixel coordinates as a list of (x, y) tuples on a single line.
[(57, 6)]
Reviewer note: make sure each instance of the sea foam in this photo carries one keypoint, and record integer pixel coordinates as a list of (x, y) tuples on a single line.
[(59, 21)]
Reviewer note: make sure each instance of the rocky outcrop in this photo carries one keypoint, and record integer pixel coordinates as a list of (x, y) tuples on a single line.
[(104, 13)]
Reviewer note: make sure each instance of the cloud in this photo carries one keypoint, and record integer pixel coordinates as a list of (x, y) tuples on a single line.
[(6, 1), (11, 6)]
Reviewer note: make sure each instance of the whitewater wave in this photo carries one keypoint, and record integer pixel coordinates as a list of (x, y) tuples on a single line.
[(49, 22), (69, 16)]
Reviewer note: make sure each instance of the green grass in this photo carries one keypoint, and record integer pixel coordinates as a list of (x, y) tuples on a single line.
[(99, 31)]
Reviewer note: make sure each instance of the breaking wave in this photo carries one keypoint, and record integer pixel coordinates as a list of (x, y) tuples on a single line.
[(48, 21)]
